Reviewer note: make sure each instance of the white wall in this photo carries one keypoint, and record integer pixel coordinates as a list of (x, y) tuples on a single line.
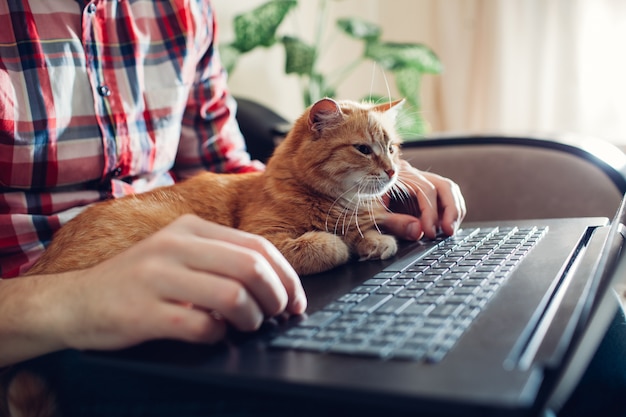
[(510, 66)]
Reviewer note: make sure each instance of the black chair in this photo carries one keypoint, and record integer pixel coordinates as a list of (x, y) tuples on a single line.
[(262, 128)]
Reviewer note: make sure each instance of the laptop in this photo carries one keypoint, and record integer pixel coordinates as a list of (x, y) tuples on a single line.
[(518, 348)]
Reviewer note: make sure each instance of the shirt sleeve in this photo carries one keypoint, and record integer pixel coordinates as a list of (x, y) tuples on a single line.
[(210, 136)]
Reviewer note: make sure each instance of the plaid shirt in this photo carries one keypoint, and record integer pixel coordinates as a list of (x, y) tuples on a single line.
[(100, 99)]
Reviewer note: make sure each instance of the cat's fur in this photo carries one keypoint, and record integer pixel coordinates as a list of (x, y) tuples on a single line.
[(26, 394), (317, 201)]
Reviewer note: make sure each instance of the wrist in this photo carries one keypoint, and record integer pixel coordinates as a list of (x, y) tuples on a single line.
[(29, 324)]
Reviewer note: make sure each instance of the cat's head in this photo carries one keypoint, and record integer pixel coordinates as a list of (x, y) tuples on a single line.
[(346, 149)]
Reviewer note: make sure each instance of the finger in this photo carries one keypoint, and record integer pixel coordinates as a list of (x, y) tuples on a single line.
[(451, 203), (206, 291), (296, 298), (426, 195), (223, 251), (193, 325), (238, 263), (440, 200), (403, 226)]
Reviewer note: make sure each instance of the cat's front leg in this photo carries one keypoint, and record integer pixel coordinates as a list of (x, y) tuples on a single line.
[(375, 245), (313, 252)]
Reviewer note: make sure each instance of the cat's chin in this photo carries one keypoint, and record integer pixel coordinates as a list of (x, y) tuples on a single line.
[(373, 194), (369, 192), (362, 197), (378, 192)]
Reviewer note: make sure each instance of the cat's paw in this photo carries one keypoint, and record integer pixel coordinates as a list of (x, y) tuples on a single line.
[(315, 252), (376, 246)]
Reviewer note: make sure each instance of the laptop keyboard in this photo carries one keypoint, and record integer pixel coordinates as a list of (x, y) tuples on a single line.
[(417, 310)]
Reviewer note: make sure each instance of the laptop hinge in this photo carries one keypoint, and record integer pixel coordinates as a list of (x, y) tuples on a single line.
[(547, 341)]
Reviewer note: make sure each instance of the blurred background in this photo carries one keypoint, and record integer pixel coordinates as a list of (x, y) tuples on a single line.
[(509, 66)]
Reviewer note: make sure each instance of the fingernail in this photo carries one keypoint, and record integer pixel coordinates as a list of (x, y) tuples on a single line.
[(299, 304), (414, 232)]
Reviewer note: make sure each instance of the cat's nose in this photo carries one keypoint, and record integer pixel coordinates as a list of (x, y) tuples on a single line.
[(390, 173)]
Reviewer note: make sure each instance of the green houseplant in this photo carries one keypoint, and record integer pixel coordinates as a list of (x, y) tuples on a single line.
[(407, 62)]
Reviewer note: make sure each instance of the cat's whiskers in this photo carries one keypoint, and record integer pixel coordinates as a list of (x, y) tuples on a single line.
[(355, 215), (360, 195), (372, 215), (414, 186), (345, 227), (401, 192), (346, 205), (343, 215), (363, 195), (373, 186)]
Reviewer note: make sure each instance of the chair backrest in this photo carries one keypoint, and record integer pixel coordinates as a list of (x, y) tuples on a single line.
[(509, 178), (262, 128), (502, 177)]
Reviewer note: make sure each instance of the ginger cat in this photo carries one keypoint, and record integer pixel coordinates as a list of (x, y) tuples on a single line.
[(317, 201)]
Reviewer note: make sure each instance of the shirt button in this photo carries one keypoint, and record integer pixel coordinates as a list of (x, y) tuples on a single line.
[(104, 91), (91, 9)]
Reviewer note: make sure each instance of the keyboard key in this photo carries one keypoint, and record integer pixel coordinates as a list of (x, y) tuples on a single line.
[(364, 289), (447, 310), (385, 275), (400, 282), (319, 319), (388, 289), (339, 306), (371, 303), (395, 305), (416, 309), (376, 281), (409, 293)]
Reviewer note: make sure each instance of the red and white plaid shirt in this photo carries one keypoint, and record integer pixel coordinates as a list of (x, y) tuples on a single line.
[(103, 98)]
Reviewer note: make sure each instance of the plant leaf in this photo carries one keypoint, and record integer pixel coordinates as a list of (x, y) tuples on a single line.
[(411, 124), (258, 26), (394, 56), (408, 82), (299, 56), (359, 28)]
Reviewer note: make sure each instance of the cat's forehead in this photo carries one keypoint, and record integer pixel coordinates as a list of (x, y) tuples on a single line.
[(379, 127), (374, 126)]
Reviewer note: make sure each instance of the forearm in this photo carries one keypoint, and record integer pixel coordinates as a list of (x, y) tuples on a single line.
[(27, 327)]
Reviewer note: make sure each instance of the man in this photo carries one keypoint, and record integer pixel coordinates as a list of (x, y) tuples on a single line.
[(107, 98)]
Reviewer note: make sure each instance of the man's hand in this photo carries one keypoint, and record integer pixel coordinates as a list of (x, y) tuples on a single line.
[(427, 204), (186, 282)]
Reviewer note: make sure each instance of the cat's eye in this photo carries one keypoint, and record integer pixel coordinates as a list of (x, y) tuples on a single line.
[(364, 149)]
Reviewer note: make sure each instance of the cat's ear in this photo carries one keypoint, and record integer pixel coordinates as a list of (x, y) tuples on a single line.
[(323, 114), (392, 108)]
